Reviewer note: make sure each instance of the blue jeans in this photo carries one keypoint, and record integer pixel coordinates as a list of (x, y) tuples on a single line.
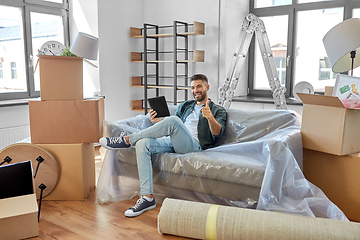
[(169, 135)]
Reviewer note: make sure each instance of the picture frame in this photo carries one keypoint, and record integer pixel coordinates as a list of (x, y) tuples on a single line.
[(347, 87)]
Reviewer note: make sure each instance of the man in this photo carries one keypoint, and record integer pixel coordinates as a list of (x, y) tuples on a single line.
[(196, 126)]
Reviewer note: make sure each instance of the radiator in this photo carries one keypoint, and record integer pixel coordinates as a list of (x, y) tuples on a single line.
[(12, 135)]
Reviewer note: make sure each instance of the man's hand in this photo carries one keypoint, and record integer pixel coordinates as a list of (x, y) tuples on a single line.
[(206, 112), (215, 127), (153, 117)]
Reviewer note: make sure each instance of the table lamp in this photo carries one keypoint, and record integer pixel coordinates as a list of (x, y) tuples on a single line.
[(341, 45), (85, 46)]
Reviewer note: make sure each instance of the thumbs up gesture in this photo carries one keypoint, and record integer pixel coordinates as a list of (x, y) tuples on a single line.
[(206, 111)]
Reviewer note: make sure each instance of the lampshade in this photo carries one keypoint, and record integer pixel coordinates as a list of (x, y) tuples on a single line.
[(340, 41), (85, 46)]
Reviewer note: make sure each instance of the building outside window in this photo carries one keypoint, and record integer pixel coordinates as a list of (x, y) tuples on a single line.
[(1, 69), (13, 70), (298, 27), (24, 27)]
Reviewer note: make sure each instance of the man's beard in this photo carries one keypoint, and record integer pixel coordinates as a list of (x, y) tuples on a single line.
[(202, 96)]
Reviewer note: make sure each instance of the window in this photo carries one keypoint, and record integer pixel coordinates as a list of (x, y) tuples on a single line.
[(295, 29), (276, 28), (271, 3), (311, 27), (24, 26), (356, 14), (1, 70), (13, 70)]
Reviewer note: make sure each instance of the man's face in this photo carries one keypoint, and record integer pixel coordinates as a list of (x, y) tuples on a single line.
[(199, 90)]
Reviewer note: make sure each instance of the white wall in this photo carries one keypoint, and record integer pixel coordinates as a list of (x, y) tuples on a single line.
[(222, 18), (164, 12), (233, 13), (115, 20), (84, 18)]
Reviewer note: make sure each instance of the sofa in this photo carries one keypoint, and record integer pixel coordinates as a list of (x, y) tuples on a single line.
[(258, 164)]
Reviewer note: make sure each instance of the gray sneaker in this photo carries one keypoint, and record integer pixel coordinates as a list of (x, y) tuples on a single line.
[(141, 206), (114, 143)]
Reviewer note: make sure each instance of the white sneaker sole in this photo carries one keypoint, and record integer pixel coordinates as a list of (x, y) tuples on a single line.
[(130, 213)]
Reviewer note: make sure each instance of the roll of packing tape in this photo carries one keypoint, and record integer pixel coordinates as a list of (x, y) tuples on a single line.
[(208, 221)]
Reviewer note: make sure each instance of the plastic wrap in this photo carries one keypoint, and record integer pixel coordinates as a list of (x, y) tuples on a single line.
[(258, 165)]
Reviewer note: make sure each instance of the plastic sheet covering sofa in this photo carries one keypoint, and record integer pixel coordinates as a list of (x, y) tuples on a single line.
[(257, 165)]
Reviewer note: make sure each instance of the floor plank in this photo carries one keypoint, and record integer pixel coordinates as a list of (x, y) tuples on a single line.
[(89, 220)]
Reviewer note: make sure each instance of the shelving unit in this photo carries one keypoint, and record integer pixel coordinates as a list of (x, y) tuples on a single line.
[(156, 57)]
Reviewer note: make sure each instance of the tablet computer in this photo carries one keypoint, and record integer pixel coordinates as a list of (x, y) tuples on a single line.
[(160, 106)]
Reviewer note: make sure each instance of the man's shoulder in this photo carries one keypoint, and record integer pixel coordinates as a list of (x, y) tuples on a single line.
[(186, 103), (218, 107)]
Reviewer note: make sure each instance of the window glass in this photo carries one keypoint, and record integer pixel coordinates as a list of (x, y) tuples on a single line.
[(356, 14), (55, 1), (12, 56), (1, 69), (308, 1), (311, 61), (271, 3), (276, 29), (44, 27)]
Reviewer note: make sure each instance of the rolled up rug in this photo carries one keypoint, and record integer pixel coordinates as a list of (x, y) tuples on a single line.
[(209, 221)]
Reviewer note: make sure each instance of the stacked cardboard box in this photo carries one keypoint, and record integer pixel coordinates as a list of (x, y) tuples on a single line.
[(66, 125), (331, 134), (18, 205)]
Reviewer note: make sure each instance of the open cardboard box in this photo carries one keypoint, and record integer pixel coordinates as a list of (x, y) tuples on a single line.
[(327, 126), (338, 177), (61, 78), (78, 121), (18, 205)]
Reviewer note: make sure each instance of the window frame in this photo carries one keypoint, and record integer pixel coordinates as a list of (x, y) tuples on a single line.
[(38, 6), (291, 10)]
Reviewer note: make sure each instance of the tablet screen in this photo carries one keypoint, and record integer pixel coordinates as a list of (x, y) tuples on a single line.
[(160, 106)]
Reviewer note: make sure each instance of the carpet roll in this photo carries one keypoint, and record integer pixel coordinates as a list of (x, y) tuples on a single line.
[(208, 221)]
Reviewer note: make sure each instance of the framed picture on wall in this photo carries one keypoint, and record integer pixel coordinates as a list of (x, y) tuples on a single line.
[(347, 87)]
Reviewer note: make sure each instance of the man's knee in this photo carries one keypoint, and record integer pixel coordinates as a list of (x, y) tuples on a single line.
[(172, 120), (142, 143)]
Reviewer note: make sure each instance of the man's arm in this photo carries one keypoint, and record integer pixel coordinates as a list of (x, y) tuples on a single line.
[(215, 127)]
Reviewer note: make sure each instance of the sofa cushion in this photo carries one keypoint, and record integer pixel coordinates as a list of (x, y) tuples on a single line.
[(212, 165)]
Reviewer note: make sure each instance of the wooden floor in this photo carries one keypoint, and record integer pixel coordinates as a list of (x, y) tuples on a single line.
[(89, 220)]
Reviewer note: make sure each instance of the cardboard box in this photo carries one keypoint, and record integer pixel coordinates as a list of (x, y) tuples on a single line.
[(338, 177), (327, 126), (77, 170), (79, 121), (61, 78), (18, 214), (328, 90)]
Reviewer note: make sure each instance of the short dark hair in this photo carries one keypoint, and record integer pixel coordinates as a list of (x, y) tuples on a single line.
[(199, 77)]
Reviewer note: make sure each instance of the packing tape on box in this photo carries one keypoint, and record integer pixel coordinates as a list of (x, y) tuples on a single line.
[(208, 221)]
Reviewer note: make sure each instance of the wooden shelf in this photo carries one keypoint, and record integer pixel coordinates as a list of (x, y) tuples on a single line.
[(184, 57), (198, 56), (199, 29), (137, 105), (137, 82)]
